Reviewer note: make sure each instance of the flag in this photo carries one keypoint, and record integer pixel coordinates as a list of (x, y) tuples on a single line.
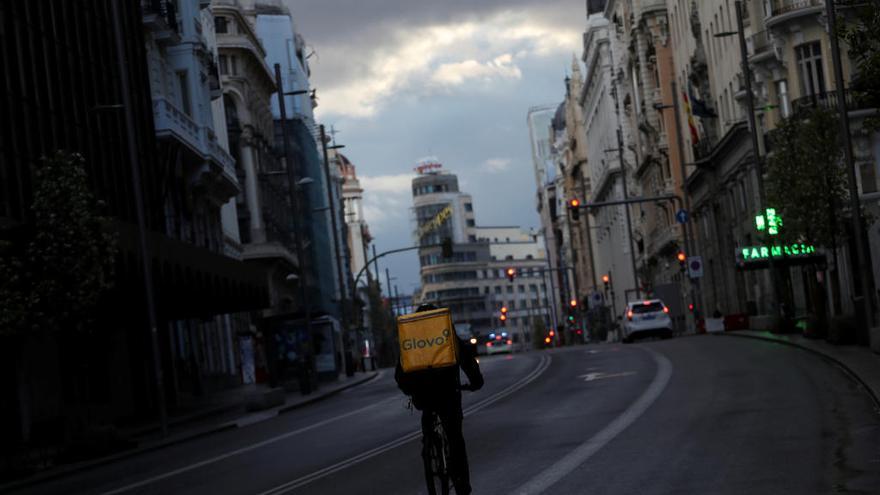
[(700, 109), (692, 125)]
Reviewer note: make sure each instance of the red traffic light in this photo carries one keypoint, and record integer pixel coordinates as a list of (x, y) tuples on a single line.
[(573, 303), (503, 317), (552, 333), (691, 307), (606, 278), (511, 274), (574, 203), (503, 309), (681, 257)]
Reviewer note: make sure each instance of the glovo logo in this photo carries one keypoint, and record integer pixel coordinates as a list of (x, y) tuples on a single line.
[(410, 344)]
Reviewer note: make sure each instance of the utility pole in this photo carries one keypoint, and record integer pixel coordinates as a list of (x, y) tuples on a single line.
[(146, 261), (294, 202), (346, 336), (861, 265), (684, 193)]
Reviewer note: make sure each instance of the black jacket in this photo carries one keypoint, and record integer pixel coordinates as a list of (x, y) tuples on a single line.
[(437, 386)]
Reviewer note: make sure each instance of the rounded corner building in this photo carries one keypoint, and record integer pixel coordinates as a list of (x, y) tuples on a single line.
[(470, 280)]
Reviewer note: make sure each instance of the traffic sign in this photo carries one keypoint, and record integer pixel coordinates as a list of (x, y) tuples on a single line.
[(682, 216), (695, 266)]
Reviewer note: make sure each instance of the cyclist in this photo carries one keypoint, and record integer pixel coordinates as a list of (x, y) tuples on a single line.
[(439, 391)]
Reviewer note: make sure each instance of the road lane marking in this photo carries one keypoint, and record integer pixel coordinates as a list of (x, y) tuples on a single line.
[(242, 450), (571, 461), (589, 377), (339, 466)]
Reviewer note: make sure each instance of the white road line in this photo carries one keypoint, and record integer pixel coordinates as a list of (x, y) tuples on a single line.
[(544, 480), (242, 450), (321, 473)]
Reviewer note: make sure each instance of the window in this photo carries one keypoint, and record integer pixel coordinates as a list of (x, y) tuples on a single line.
[(468, 207), (810, 72), (498, 289), (184, 93), (509, 289), (521, 289), (472, 238), (470, 223), (221, 25)]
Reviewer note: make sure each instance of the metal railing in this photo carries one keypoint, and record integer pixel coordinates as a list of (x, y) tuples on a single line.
[(826, 100), (761, 42), (779, 7)]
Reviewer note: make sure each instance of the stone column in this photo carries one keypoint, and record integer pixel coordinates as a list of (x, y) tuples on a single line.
[(251, 186)]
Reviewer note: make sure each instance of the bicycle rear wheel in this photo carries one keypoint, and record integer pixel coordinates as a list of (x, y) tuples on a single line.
[(436, 459)]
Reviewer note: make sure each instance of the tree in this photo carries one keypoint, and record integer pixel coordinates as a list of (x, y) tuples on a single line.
[(806, 181), (860, 30), (55, 282)]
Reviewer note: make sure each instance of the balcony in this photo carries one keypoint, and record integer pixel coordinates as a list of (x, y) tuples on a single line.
[(784, 10), (661, 237), (160, 17), (827, 101), (761, 44), (172, 122)]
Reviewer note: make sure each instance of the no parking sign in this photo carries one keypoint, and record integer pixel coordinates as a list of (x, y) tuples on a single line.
[(695, 266)]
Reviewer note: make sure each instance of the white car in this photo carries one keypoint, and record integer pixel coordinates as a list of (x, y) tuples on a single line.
[(646, 318), (498, 342)]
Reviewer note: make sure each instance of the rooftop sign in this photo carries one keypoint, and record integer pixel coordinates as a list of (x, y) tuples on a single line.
[(428, 165)]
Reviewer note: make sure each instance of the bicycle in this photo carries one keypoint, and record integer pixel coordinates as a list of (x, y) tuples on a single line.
[(435, 455)]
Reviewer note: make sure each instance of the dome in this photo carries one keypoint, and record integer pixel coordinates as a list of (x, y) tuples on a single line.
[(558, 122)]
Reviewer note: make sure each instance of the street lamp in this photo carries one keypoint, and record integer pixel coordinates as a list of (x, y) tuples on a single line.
[(346, 344), (750, 113)]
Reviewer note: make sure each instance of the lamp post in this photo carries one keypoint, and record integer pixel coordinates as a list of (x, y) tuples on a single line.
[(750, 113), (346, 344), (855, 202)]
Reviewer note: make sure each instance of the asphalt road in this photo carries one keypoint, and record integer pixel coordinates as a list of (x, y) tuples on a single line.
[(689, 415)]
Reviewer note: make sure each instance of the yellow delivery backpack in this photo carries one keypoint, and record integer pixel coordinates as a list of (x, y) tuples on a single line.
[(427, 340)]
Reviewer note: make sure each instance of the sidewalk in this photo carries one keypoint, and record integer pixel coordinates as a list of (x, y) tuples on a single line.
[(222, 412), (858, 361)]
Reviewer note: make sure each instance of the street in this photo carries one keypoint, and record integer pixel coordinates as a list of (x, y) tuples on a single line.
[(689, 415)]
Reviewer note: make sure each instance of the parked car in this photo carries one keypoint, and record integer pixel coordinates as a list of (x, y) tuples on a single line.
[(645, 319)]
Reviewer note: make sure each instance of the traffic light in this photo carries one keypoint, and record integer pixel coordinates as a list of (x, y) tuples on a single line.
[(606, 279), (503, 316), (691, 307), (446, 247), (552, 333), (511, 274), (682, 259), (574, 206), (573, 303)]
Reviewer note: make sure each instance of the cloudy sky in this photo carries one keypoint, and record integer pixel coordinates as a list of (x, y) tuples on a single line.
[(404, 79)]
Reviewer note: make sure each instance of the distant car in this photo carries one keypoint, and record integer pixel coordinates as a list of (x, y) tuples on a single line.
[(496, 343), (645, 319)]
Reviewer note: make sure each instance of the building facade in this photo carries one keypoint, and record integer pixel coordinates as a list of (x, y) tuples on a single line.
[(470, 278), (183, 177)]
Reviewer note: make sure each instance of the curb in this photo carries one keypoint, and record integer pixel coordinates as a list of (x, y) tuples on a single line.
[(71, 469), (874, 394)]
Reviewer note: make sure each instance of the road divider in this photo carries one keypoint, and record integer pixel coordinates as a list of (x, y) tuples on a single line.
[(542, 366)]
